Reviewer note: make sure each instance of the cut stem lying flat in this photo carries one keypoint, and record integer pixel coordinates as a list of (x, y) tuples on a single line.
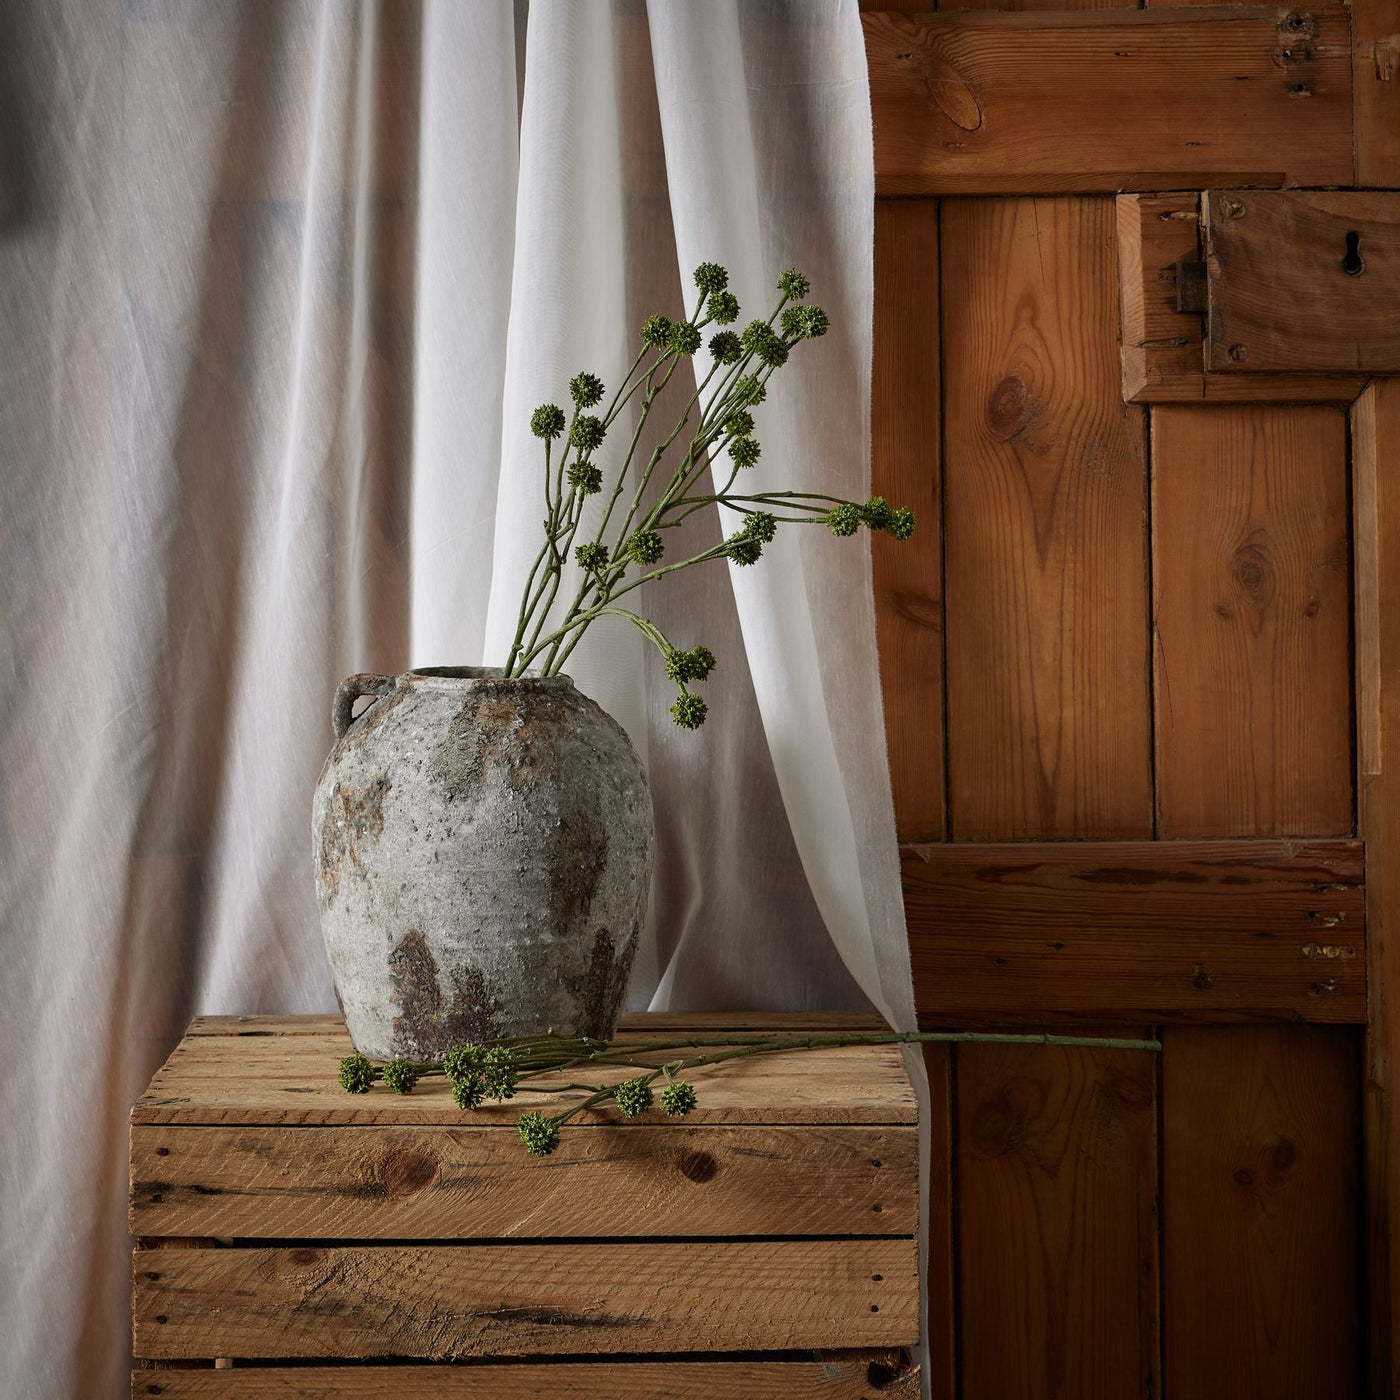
[(498, 1069)]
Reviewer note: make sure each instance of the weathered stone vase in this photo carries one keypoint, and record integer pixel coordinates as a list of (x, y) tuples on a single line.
[(483, 857)]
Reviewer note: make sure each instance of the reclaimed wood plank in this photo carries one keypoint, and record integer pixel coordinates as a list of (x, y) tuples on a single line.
[(1302, 281), (1102, 101), (292, 1080), (941, 1282), (1376, 94), (1057, 1165), (835, 1376), (1252, 613), (1261, 1227), (904, 467), (1208, 930), (1163, 348), (462, 1183), (1045, 492), (1375, 432), (456, 1301)]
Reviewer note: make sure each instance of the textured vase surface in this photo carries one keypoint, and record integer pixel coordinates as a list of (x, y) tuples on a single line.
[(483, 860)]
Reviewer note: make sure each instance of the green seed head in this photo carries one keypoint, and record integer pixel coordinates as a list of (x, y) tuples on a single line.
[(843, 520), (586, 389), (760, 525), (645, 547), (498, 1073), (633, 1097), (655, 330), (711, 278), (692, 665), (547, 421), (585, 478), (743, 548), (592, 557), (539, 1133), (400, 1076), (356, 1074), (678, 1098), (745, 451), (689, 711), (793, 284), (684, 338), (876, 513), (587, 432), (725, 348), (724, 308)]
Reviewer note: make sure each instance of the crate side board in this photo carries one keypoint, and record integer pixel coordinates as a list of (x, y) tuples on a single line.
[(633, 1180), (290, 1079), (449, 1302), (836, 1376)]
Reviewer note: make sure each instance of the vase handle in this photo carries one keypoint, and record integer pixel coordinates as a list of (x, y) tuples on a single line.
[(354, 688)]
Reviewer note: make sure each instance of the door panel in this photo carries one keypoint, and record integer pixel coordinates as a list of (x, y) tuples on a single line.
[(1121, 625), (1044, 498)]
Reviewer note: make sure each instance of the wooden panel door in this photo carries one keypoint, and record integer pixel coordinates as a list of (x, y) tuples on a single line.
[(1139, 666)]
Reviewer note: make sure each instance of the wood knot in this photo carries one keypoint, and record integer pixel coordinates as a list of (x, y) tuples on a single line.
[(698, 1167), (1011, 410), (401, 1173), (1253, 573)]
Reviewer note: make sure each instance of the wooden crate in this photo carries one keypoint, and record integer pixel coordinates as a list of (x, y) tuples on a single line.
[(295, 1240)]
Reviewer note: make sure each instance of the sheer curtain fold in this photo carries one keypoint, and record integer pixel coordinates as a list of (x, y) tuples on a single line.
[(282, 283)]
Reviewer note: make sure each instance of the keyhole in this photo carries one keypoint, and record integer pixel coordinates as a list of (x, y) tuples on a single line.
[(1352, 264)]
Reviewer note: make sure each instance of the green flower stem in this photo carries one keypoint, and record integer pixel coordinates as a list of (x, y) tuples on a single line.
[(568, 1054), (553, 660)]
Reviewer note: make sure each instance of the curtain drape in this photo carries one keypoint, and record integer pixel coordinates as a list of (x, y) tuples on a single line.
[(281, 281)]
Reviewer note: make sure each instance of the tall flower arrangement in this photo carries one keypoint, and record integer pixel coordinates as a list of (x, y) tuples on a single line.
[(628, 546)]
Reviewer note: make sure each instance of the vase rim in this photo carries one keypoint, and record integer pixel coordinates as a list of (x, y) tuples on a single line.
[(451, 676)]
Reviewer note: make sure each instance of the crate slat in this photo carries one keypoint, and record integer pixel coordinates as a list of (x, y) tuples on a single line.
[(452, 1301), (291, 1079), (834, 1377), (473, 1183)]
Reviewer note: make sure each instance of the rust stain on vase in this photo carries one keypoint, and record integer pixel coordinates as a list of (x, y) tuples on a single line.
[(483, 858)]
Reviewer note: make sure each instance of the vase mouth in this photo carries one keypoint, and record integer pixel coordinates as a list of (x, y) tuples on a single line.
[(451, 676)]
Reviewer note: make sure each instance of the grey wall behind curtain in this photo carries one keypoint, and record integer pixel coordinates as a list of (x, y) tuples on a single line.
[(279, 281)]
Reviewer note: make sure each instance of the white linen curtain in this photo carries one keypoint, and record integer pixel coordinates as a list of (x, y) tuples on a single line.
[(281, 281)]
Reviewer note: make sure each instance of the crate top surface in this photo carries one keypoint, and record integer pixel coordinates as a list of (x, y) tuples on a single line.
[(281, 1070)]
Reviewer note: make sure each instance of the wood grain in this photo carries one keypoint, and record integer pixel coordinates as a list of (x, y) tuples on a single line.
[(466, 1183), (1057, 1164), (1163, 348), (1376, 95), (836, 1376), (942, 1316), (1261, 1226), (1376, 497), (1044, 500), (904, 467), (456, 1301), (1281, 299), (1103, 101), (1181, 930), (1252, 612), (291, 1080)]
